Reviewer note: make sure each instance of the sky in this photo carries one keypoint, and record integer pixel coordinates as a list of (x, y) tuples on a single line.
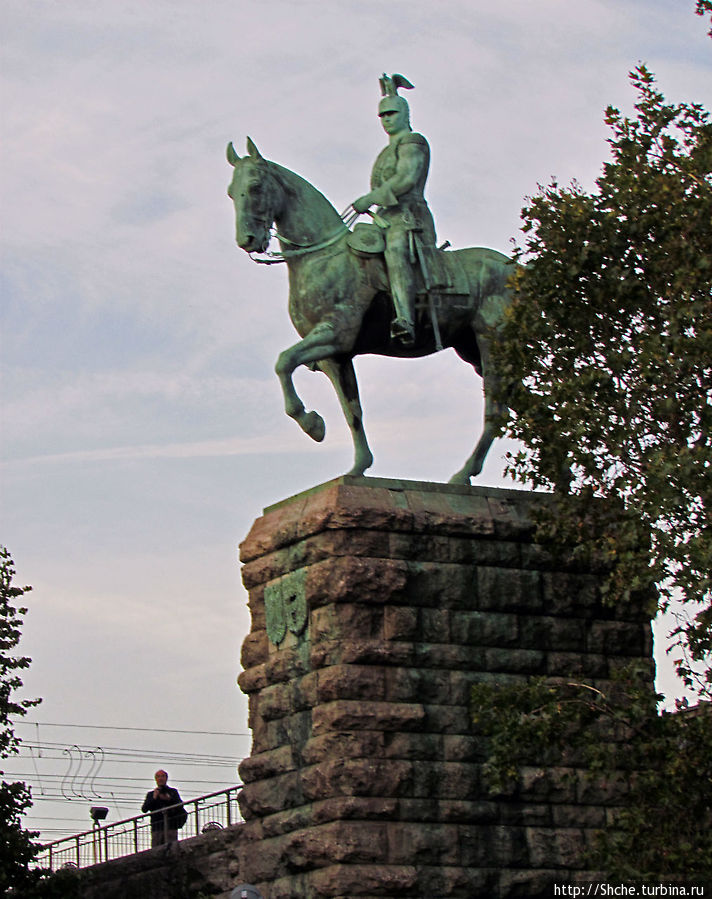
[(142, 423)]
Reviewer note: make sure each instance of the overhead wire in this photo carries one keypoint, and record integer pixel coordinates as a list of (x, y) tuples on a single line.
[(157, 730)]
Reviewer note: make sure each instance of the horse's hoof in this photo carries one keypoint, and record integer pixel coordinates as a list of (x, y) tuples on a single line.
[(313, 424), (361, 465), (460, 478)]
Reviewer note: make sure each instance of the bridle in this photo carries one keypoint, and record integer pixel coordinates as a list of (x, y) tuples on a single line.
[(348, 217)]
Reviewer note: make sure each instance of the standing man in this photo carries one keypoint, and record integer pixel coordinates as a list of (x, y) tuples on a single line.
[(164, 824), (397, 184)]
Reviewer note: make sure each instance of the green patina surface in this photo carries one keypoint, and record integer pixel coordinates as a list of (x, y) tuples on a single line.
[(286, 606)]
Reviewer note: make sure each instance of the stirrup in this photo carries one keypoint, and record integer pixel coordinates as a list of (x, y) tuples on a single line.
[(403, 330)]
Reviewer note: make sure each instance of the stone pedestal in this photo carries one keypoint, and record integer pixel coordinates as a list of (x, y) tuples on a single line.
[(376, 604)]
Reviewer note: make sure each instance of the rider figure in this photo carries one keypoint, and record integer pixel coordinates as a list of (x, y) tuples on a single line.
[(397, 182)]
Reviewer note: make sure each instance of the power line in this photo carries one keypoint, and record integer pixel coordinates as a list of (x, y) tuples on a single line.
[(156, 730), (125, 753)]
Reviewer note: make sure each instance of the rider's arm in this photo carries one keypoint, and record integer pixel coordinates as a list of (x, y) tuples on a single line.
[(412, 160)]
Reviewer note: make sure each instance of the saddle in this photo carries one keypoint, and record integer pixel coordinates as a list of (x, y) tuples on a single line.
[(440, 274), (440, 271)]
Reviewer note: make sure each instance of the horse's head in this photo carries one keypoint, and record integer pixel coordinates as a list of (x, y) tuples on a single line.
[(257, 197)]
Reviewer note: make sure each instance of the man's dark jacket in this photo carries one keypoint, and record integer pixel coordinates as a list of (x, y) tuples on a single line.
[(176, 817)]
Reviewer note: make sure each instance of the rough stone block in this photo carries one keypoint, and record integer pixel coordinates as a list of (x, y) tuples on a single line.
[(576, 664), (358, 808), (491, 846), (548, 632), (274, 794), (456, 882), (447, 655), (613, 638), (448, 719), (435, 626), (357, 777), (555, 848), (262, 765), (355, 579), (430, 685), (273, 702), (446, 780), (340, 622), (255, 648), (442, 585), (343, 744), (253, 679), (468, 811), (400, 623), (462, 748), (567, 593), (532, 884), (356, 715), (367, 682), (508, 589), (286, 661), (358, 881), (412, 746), (431, 844), (485, 628), (377, 652), (337, 842), (520, 661)]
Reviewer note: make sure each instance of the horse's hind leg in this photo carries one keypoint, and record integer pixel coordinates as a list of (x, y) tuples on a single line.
[(492, 415), (343, 377)]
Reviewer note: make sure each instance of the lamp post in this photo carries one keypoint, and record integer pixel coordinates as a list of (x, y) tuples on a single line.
[(245, 891), (98, 813)]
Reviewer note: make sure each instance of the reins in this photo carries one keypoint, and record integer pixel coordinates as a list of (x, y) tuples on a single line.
[(284, 255), (348, 217)]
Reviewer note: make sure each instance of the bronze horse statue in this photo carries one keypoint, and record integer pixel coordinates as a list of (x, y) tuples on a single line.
[(340, 305)]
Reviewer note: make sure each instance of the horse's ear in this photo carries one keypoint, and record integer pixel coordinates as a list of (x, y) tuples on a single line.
[(232, 156), (252, 149)]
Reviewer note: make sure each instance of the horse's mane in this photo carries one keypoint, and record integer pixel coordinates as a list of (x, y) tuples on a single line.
[(296, 186)]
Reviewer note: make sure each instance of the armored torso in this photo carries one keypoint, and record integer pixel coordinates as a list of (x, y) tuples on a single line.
[(384, 167), (410, 212)]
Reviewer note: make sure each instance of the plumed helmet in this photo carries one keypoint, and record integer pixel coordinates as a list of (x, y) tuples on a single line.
[(391, 100)]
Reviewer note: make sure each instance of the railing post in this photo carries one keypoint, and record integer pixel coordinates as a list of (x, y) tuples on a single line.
[(228, 820), (197, 817), (106, 844), (135, 832), (79, 858)]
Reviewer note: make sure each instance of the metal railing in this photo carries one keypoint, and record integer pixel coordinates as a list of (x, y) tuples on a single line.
[(211, 812)]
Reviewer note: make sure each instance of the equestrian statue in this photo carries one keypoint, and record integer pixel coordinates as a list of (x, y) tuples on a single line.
[(381, 287)]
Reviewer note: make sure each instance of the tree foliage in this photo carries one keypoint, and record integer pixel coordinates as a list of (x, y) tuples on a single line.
[(609, 350), (16, 844), (662, 764), (704, 7)]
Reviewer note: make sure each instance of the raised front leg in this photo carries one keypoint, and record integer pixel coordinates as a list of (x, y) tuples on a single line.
[(343, 377), (317, 345)]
